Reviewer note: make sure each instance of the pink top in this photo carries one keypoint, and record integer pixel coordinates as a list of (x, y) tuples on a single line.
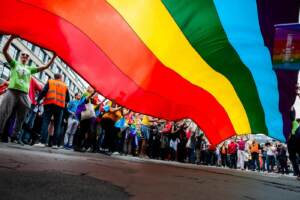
[(241, 144)]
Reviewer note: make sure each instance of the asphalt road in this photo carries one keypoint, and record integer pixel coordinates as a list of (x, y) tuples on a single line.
[(41, 173)]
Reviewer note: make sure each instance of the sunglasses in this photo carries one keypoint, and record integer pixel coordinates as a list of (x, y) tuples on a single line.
[(24, 55)]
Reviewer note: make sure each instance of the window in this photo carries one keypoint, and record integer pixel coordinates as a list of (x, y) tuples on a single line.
[(54, 68), (32, 48), (42, 55), (29, 45), (5, 73), (67, 80), (3, 40), (24, 42), (72, 74), (37, 51), (44, 77), (46, 59), (41, 75), (14, 51), (72, 87)]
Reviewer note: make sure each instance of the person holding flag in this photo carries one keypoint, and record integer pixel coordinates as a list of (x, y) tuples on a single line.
[(17, 94)]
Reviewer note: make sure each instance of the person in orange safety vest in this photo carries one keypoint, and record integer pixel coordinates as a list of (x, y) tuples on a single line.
[(56, 97), (254, 149)]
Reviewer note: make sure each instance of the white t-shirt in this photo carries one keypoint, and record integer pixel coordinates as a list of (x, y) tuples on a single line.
[(271, 150)]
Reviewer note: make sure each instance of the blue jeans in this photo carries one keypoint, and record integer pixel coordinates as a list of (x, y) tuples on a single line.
[(49, 111), (270, 162), (255, 161), (191, 154), (100, 134), (30, 117), (146, 132), (29, 121)]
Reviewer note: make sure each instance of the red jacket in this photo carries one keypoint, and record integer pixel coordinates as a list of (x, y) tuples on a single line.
[(232, 148)]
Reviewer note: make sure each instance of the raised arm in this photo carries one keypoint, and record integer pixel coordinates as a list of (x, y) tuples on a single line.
[(115, 109), (6, 47), (42, 68), (91, 96)]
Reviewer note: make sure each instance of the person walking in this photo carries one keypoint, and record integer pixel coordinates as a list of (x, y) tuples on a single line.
[(232, 151), (241, 153), (15, 98), (271, 152), (223, 152), (72, 122), (145, 130), (27, 133), (56, 96), (254, 149), (282, 159), (108, 124), (85, 112)]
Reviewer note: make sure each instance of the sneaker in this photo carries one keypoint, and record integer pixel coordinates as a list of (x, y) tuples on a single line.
[(89, 149), (115, 153), (14, 139), (21, 142), (39, 145), (55, 147), (32, 142)]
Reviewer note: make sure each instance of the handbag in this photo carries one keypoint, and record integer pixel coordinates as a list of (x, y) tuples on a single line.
[(89, 112)]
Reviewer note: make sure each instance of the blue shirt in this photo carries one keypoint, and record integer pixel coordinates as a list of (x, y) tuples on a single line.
[(72, 106)]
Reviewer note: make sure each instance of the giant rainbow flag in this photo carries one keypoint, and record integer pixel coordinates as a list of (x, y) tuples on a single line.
[(207, 60)]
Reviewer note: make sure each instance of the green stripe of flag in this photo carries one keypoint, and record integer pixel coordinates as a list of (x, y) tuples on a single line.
[(199, 21)]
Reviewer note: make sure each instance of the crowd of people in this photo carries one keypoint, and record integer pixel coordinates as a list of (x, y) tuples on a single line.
[(46, 116)]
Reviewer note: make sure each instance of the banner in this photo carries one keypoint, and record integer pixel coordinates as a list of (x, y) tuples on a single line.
[(286, 52)]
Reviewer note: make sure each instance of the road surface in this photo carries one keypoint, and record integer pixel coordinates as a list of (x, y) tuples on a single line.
[(42, 173)]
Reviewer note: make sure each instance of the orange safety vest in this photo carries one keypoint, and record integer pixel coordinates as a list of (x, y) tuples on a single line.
[(254, 148), (56, 93)]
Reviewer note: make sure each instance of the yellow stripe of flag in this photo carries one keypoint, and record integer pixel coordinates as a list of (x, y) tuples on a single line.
[(157, 29)]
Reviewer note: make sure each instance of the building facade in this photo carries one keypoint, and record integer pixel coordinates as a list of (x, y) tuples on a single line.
[(39, 57)]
